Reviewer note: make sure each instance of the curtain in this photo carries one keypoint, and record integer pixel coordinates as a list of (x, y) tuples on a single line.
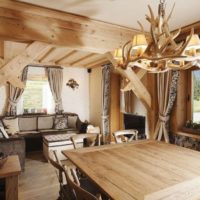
[(167, 90), (106, 74), (126, 99), (55, 78), (15, 93)]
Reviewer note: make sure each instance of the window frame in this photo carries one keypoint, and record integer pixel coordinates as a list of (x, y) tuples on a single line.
[(189, 114)]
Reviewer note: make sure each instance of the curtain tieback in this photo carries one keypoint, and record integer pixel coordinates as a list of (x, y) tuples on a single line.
[(105, 116), (58, 102), (12, 102), (164, 118)]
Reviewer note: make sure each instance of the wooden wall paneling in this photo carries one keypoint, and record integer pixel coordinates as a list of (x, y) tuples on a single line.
[(152, 114), (115, 104), (185, 31), (25, 22)]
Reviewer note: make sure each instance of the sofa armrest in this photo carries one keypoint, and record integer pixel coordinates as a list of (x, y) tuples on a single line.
[(14, 146)]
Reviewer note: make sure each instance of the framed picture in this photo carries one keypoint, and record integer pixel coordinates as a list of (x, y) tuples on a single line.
[(2, 130)]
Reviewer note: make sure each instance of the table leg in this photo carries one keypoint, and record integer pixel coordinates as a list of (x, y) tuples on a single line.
[(12, 188)]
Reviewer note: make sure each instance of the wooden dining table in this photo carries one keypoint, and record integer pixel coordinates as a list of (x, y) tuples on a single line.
[(145, 169)]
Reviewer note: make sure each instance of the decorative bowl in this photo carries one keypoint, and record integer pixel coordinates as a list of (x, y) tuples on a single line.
[(3, 159)]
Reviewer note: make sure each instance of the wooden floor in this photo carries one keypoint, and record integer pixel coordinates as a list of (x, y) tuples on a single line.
[(39, 181)]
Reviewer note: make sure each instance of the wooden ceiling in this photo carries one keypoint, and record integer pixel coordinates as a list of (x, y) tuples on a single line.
[(52, 55), (31, 34)]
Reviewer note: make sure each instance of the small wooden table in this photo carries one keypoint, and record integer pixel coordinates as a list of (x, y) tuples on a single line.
[(10, 171), (140, 170)]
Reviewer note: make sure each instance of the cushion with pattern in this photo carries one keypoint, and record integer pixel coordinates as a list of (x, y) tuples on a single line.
[(60, 123)]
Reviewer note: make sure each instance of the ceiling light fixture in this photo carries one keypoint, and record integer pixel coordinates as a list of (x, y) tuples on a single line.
[(158, 51)]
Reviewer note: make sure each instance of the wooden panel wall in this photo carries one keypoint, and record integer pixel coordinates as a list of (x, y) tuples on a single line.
[(115, 103)]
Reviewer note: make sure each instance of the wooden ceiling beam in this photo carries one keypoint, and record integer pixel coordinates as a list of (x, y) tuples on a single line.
[(136, 84), (11, 71), (96, 62), (63, 59), (82, 59), (26, 22)]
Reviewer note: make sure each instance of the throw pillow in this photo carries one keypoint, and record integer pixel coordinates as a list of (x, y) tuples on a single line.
[(11, 125), (72, 121), (60, 123), (3, 133)]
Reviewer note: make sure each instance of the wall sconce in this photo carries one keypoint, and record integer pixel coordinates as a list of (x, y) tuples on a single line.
[(72, 84)]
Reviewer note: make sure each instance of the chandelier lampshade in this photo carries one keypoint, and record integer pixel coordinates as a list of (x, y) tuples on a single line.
[(160, 52)]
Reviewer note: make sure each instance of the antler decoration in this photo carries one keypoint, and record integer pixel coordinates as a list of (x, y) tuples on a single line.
[(162, 52)]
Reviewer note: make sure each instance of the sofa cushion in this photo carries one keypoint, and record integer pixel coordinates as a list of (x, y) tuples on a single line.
[(11, 125), (72, 121), (45, 122), (60, 123), (28, 123)]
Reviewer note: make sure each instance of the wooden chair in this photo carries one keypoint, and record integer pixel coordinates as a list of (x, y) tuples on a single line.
[(64, 192), (74, 184), (120, 136), (91, 138)]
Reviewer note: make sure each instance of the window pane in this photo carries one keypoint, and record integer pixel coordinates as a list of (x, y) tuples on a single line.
[(37, 96), (196, 95)]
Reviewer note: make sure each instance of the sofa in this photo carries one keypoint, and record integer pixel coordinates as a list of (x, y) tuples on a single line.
[(26, 131)]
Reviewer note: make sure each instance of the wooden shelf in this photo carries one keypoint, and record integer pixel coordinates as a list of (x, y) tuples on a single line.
[(191, 135)]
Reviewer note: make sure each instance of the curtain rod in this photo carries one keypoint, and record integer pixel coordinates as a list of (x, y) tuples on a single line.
[(46, 66)]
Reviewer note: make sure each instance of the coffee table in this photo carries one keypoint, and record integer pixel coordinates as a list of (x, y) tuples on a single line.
[(58, 142)]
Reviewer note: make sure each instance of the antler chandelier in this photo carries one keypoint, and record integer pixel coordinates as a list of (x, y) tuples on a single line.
[(161, 53)]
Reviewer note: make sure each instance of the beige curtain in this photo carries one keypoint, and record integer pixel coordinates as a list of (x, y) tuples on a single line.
[(167, 90), (15, 93), (126, 99), (55, 78)]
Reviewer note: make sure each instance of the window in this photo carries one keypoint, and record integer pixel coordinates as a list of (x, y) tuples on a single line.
[(195, 95), (37, 95)]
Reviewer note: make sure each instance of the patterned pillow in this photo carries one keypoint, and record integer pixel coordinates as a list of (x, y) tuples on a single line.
[(60, 123)]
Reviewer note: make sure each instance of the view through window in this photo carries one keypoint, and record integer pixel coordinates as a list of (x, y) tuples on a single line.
[(37, 96), (196, 95)]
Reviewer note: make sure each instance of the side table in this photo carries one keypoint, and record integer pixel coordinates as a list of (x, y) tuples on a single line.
[(10, 172)]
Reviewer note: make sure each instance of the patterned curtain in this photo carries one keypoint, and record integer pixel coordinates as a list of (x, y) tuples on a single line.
[(15, 93), (106, 73), (126, 99), (55, 78), (167, 90)]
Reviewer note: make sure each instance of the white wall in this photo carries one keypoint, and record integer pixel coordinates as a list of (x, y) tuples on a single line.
[(76, 101)]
